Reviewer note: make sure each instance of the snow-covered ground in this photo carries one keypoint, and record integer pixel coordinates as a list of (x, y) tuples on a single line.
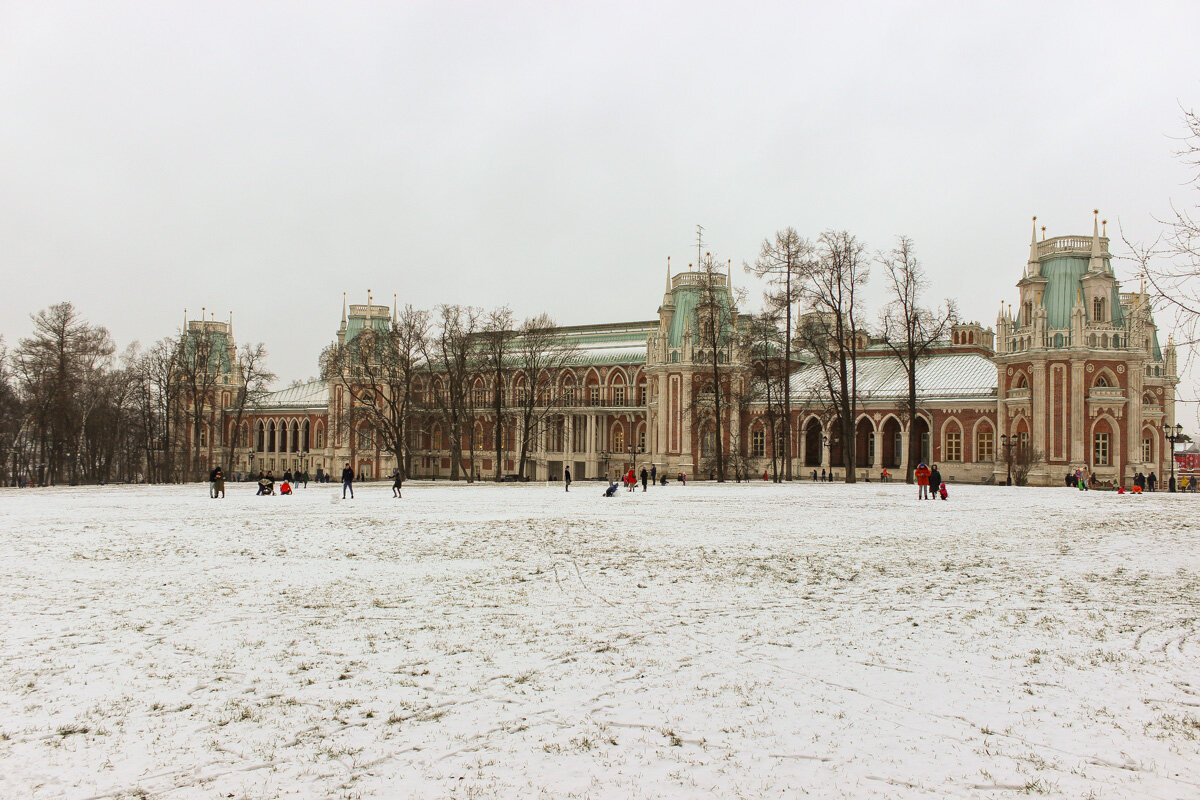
[(737, 641)]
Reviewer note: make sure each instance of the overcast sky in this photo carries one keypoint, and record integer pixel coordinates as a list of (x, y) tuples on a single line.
[(262, 158)]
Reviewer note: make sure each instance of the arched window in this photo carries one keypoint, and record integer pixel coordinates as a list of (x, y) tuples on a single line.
[(1101, 382), (260, 436), (985, 444), (618, 439), (1098, 309), (271, 437)]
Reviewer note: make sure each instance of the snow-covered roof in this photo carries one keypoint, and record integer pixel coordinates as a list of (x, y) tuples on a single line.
[(939, 377), (314, 394)]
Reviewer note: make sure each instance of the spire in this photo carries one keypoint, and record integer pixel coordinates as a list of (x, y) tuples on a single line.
[(1033, 249), (729, 277), (1096, 262), (668, 274), (343, 309), (230, 324), (185, 322), (395, 305)]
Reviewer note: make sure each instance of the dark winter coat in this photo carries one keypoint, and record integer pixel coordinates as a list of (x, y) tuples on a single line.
[(347, 475), (935, 478)]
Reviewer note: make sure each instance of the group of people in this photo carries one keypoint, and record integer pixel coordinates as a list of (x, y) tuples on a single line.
[(930, 483), (631, 479)]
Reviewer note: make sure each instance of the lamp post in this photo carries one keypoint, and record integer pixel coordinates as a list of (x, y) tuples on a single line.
[(1173, 434), (824, 450), (603, 454), (1008, 443)]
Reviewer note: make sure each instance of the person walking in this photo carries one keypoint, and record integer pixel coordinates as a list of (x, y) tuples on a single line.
[(305, 477), (822, 474), (631, 479), (922, 475), (396, 483), (935, 481), (645, 478), (1151, 481), (212, 482), (347, 482), (567, 478), (654, 474), (287, 475), (218, 483)]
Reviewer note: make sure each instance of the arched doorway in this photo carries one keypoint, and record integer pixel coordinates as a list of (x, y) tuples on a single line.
[(892, 443), (921, 431), (812, 443), (864, 444)]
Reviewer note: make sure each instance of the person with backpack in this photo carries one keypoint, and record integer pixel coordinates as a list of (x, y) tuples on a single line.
[(347, 482)]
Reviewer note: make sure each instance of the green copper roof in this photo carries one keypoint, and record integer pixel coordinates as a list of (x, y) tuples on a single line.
[(1063, 287)]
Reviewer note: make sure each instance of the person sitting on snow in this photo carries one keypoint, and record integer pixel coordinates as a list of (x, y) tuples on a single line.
[(942, 493), (285, 487), (611, 491)]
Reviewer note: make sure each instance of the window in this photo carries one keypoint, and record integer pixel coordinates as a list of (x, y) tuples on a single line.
[(618, 395), (925, 455), (898, 446), (954, 445), (1100, 449), (320, 438), (203, 437), (618, 440), (593, 395), (641, 395), (1023, 441), (365, 439), (568, 395), (1101, 382), (641, 440), (1147, 449), (985, 447), (758, 443), (870, 448)]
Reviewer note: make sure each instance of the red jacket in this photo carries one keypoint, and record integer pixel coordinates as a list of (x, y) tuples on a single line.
[(922, 476)]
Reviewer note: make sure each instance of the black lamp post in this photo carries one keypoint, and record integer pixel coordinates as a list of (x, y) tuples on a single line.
[(603, 454), (1008, 443), (1173, 434), (824, 449)]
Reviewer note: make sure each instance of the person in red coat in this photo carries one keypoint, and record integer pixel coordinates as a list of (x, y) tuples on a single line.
[(922, 473)]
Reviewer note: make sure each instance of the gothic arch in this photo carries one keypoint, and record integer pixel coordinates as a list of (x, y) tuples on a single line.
[(1105, 377), (978, 428), (1114, 447), (950, 425)]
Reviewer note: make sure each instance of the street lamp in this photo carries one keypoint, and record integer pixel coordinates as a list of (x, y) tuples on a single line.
[(1173, 434), (603, 454), (1008, 443)]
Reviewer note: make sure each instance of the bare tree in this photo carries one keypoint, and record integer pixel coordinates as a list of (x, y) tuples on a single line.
[(1022, 461), (829, 331), (378, 369), (716, 338), (539, 355), (450, 357), (909, 329), (762, 342), (59, 367), (11, 418), (201, 361), (254, 384), (783, 261), (495, 353)]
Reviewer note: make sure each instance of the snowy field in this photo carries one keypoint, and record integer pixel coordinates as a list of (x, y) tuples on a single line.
[(738, 641)]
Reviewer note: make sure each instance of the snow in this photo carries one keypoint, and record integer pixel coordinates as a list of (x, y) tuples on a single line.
[(517, 641)]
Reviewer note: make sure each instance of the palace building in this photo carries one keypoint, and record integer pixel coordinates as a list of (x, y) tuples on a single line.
[(1075, 376)]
